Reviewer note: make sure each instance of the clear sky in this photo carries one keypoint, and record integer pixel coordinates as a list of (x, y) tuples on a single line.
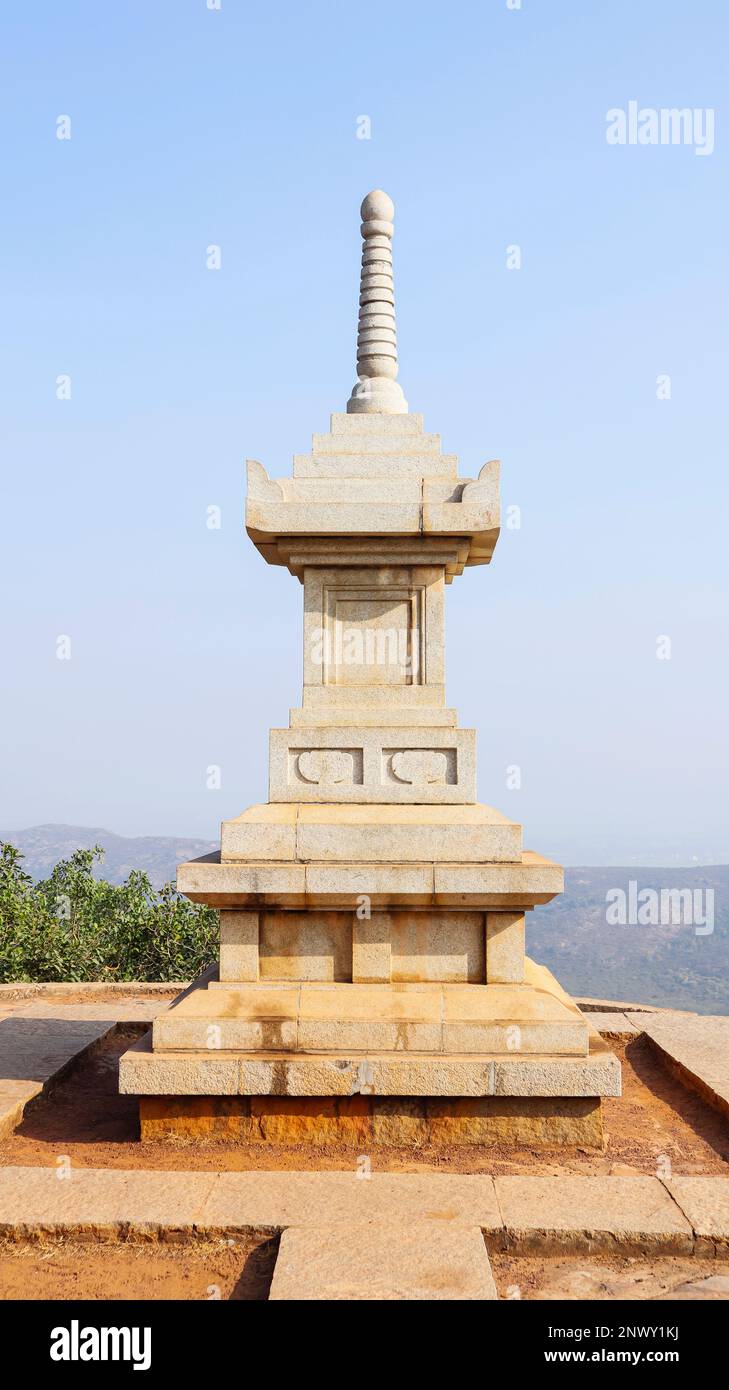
[(238, 127)]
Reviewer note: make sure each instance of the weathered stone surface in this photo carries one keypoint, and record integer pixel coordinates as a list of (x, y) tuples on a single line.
[(384, 834), (369, 1122), (345, 885), (94, 1201), (275, 1200), (35, 1045), (611, 1025), (67, 991), (400, 1122), (247, 884), (505, 948), (570, 1213), (436, 946), (520, 886), (202, 1118), (695, 1047), (372, 949), (38, 1041), (144, 1072), (511, 1018), (595, 1075), (306, 946), (372, 765), (320, 1120), (14, 1096), (704, 1202), (333, 831), (531, 880), (416, 1016), (260, 832), (550, 1120), (429, 1260), (239, 946), (593, 1214)]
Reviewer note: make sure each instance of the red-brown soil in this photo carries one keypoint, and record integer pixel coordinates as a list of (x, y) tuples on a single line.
[(657, 1126), (238, 1270), (610, 1277)]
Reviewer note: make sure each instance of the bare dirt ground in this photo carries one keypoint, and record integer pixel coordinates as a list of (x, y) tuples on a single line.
[(657, 1126), (610, 1277), (242, 1270), (239, 1270)]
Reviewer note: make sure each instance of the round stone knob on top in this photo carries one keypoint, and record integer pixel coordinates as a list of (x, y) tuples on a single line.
[(377, 390), (377, 205)]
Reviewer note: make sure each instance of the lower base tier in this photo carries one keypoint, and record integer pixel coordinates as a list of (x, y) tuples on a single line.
[(363, 1122), (301, 1075)]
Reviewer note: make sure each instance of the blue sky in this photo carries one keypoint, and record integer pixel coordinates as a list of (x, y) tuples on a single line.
[(238, 127)]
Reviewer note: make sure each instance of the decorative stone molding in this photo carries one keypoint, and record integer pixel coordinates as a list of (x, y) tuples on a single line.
[(419, 766)]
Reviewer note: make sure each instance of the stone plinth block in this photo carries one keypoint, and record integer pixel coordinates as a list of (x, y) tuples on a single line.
[(143, 1072), (365, 1122), (505, 947), (372, 949), (380, 834), (373, 765), (239, 946), (241, 883), (363, 1018)]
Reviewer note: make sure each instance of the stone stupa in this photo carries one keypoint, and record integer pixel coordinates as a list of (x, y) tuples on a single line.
[(372, 984)]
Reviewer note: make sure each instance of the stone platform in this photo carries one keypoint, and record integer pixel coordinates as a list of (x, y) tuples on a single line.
[(354, 1064), (329, 1018)]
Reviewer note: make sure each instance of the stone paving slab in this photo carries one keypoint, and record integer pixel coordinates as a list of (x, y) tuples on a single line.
[(417, 1260), (613, 1214), (32, 1051), (142, 1011), (94, 1201), (40, 1037), (273, 1200), (696, 1046), (589, 1005), (705, 1203), (612, 1024), (62, 990), (592, 1214)]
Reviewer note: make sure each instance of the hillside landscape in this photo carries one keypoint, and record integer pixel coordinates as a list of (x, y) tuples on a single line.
[(669, 965)]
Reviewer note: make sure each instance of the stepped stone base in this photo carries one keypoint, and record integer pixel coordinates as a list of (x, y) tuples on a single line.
[(367, 1065), (364, 1122), (433, 1019)]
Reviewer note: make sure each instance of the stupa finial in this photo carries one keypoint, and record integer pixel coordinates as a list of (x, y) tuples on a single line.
[(377, 390)]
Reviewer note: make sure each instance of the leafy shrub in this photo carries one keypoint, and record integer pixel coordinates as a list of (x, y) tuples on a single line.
[(72, 926)]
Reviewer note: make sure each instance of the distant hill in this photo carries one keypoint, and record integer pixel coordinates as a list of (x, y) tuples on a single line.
[(669, 966), (157, 855)]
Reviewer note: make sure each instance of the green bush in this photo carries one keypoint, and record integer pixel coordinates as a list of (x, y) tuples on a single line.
[(72, 926)]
